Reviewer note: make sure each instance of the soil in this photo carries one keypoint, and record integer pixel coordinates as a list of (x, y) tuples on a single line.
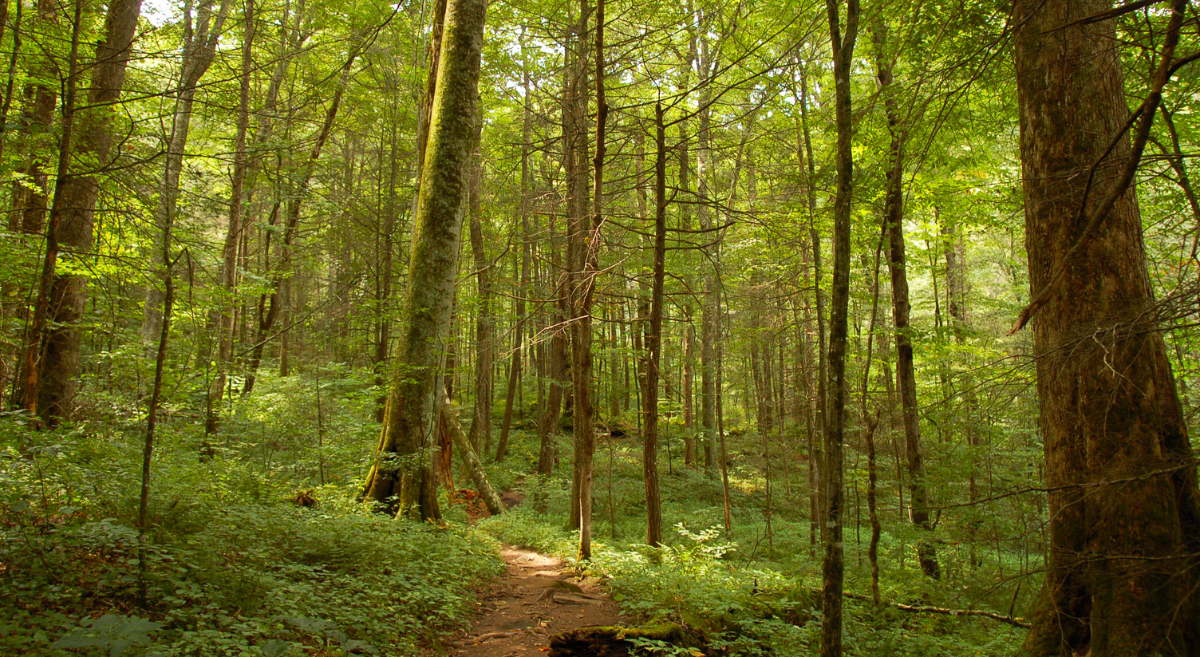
[(534, 600)]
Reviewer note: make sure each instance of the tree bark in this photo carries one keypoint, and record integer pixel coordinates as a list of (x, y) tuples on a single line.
[(1124, 518), (403, 467), (906, 378), (833, 569), (463, 444), (653, 355), (59, 366)]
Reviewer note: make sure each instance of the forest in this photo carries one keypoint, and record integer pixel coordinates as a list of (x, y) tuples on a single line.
[(594, 327)]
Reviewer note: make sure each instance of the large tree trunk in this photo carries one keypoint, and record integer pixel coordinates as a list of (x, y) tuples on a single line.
[(905, 373), (1124, 519), (410, 424), (59, 366), (833, 568)]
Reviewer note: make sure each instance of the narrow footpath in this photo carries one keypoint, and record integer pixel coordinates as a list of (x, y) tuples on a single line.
[(534, 600)]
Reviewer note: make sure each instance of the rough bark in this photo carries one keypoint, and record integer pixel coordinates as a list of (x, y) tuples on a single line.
[(1124, 518), (411, 419)]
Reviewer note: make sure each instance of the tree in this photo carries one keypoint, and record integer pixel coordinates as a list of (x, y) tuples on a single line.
[(412, 412), (1123, 502), (835, 414), (56, 381)]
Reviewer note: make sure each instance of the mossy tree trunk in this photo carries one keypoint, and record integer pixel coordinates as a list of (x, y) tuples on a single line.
[(403, 470)]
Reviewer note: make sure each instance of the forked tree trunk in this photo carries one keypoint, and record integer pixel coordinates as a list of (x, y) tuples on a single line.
[(1124, 518), (404, 460), (199, 47), (59, 366)]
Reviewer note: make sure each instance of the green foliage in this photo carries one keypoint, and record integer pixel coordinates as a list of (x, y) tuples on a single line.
[(233, 567)]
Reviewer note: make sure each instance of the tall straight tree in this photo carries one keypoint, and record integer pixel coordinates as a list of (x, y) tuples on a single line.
[(653, 355), (404, 460), (835, 427), (1121, 575), (906, 377), (575, 155)]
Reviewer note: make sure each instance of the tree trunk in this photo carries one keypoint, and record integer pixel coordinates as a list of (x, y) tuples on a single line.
[(905, 374), (653, 354), (273, 302), (484, 487), (59, 366), (410, 422), (1124, 518), (514, 372), (712, 292), (481, 410), (833, 568), (199, 47)]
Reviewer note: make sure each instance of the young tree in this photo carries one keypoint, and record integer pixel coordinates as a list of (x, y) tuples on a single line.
[(835, 427)]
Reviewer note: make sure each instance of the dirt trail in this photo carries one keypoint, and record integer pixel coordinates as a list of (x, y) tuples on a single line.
[(535, 599)]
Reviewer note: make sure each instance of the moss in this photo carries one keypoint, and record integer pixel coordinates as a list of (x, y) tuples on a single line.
[(611, 640)]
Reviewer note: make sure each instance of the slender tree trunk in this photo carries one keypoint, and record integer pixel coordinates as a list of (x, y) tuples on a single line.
[(653, 355), (834, 562), (199, 48), (411, 419), (514, 373), (712, 293), (481, 410), (272, 302), (1121, 575), (905, 373)]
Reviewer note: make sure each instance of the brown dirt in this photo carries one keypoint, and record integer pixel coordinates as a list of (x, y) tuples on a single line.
[(535, 599)]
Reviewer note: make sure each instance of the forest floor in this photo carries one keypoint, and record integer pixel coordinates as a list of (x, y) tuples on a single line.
[(536, 598)]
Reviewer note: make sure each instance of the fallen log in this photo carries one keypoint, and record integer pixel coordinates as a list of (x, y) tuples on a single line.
[(617, 641), (927, 609), (474, 466)]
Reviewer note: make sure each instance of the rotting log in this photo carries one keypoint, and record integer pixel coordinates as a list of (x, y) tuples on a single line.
[(614, 640)]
